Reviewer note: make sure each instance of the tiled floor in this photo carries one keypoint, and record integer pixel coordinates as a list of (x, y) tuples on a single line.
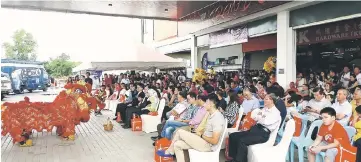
[(92, 144)]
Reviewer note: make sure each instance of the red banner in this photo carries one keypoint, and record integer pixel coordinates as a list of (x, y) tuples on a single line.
[(343, 30)]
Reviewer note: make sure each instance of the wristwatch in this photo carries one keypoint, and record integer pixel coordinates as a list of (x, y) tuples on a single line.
[(202, 136)]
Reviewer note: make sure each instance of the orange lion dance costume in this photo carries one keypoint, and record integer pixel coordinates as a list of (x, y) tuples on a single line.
[(69, 108)]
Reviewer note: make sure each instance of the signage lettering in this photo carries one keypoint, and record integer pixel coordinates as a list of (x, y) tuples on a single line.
[(228, 37), (348, 29), (303, 37), (222, 11)]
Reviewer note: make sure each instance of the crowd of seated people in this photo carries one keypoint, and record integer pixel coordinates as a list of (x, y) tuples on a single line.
[(195, 112)]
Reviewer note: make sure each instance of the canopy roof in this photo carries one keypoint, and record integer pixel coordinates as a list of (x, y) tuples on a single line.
[(154, 9), (140, 57)]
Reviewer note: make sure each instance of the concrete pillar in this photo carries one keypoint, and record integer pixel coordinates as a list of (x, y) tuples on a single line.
[(286, 50), (194, 52), (194, 57)]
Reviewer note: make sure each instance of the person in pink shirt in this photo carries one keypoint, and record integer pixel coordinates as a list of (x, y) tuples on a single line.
[(197, 119), (107, 80)]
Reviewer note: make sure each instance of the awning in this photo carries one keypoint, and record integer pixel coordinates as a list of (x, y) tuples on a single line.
[(142, 58)]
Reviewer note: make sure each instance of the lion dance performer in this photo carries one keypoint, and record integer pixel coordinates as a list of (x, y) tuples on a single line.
[(69, 108)]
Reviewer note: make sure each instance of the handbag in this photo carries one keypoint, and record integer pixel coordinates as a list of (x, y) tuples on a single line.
[(136, 122), (298, 128), (162, 144), (248, 122)]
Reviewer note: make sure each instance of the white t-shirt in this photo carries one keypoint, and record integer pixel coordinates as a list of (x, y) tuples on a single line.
[(318, 105), (344, 108), (125, 81), (358, 77), (343, 77)]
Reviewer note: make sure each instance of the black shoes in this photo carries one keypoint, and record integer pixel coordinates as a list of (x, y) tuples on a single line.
[(126, 126), (154, 138), (97, 113)]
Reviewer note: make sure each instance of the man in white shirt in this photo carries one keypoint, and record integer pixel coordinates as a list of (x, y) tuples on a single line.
[(345, 78), (125, 80), (315, 105), (250, 103), (268, 120), (356, 70), (180, 107), (343, 107), (181, 78)]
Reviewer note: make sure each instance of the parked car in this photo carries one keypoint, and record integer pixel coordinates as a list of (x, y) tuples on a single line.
[(5, 85)]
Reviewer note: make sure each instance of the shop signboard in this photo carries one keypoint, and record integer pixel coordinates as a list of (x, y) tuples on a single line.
[(343, 30), (220, 12), (228, 37)]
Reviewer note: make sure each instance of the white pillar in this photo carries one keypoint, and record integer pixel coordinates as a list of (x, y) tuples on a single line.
[(194, 52), (286, 50)]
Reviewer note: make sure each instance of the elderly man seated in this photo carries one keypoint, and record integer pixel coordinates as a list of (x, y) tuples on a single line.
[(203, 141), (250, 102), (315, 105), (268, 119), (342, 107)]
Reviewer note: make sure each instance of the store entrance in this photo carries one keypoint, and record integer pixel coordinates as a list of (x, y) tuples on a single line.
[(326, 56)]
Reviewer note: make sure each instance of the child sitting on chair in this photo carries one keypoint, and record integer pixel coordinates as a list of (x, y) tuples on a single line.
[(330, 135)]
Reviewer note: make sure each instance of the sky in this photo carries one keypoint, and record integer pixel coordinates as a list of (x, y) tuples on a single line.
[(83, 37)]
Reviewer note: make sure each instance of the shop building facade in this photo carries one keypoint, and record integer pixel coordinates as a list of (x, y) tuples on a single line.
[(262, 29)]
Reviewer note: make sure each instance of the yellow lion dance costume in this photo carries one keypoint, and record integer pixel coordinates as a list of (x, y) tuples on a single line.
[(199, 76), (69, 108), (269, 64)]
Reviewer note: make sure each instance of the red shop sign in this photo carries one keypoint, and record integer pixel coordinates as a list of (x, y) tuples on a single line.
[(343, 30)]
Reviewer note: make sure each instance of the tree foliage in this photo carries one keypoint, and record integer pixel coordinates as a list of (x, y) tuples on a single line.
[(23, 46), (60, 66)]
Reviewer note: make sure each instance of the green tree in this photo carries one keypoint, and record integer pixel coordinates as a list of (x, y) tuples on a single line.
[(60, 66), (23, 46)]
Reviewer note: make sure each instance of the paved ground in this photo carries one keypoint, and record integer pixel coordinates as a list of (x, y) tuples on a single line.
[(92, 143)]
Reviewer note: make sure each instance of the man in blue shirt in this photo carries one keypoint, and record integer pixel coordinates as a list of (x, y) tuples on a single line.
[(234, 87)]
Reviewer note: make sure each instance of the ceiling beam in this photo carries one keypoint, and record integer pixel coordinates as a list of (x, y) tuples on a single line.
[(32, 8)]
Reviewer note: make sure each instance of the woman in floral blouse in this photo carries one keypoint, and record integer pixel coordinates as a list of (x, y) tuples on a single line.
[(232, 109)]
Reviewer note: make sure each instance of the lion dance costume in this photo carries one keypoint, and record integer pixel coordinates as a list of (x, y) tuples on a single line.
[(270, 64), (69, 108), (199, 76)]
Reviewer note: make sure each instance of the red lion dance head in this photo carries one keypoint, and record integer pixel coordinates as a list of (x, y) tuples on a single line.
[(69, 108)]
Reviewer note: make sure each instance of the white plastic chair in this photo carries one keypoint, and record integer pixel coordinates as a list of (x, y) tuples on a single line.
[(149, 122), (271, 141), (232, 130), (197, 156), (303, 141), (113, 105), (279, 152)]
